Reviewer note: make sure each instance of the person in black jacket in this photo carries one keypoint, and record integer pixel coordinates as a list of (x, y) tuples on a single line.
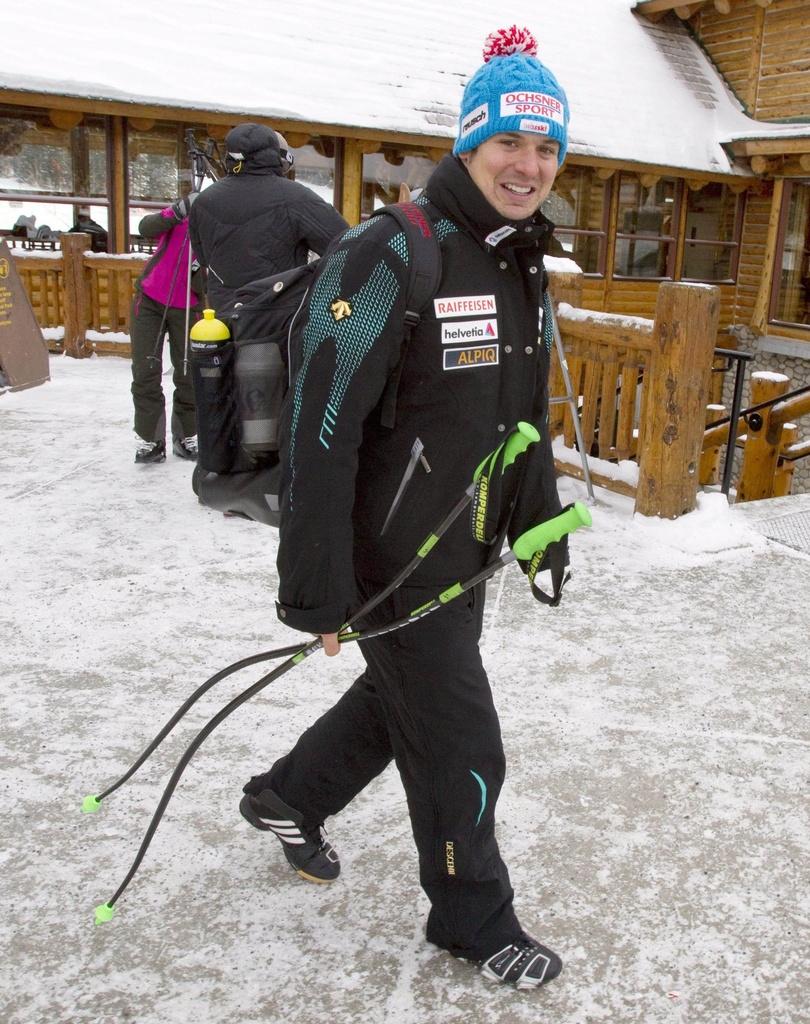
[(255, 222), (86, 224), (476, 364)]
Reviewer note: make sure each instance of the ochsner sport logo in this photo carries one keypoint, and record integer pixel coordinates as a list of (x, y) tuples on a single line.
[(475, 119), (535, 104), (469, 330)]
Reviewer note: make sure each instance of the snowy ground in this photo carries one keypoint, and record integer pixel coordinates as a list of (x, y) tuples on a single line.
[(657, 729)]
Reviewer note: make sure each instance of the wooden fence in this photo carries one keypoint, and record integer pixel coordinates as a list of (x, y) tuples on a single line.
[(642, 385), (83, 292), (768, 438)]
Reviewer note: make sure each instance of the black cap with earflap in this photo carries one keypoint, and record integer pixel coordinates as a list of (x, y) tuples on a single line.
[(286, 154), (251, 148)]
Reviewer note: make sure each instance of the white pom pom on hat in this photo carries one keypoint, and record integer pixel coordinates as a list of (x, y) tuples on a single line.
[(512, 92)]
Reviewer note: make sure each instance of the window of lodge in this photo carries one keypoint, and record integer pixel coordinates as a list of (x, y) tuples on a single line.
[(578, 205), (645, 240), (712, 234), (158, 171), (384, 172), (315, 166), (50, 176), (791, 300)]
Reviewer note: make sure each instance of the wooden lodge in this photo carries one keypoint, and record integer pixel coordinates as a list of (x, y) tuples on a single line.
[(634, 217)]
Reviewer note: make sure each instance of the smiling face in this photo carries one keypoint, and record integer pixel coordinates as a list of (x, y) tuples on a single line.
[(514, 171)]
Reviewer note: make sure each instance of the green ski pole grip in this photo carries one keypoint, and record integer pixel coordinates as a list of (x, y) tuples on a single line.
[(518, 442), (539, 537)]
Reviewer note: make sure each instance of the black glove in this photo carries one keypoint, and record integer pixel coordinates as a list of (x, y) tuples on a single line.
[(181, 208)]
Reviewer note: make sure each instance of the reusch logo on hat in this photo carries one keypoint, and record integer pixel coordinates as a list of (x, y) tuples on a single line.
[(475, 119)]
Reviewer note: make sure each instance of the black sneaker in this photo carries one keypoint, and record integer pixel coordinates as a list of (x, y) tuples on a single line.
[(150, 451), (524, 964), (306, 850), (185, 447)]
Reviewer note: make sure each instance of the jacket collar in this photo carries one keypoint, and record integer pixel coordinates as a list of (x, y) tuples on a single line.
[(453, 191)]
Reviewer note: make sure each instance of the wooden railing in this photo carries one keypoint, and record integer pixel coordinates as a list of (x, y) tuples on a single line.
[(642, 387), (42, 279), (82, 292), (643, 392), (642, 384), (768, 438)]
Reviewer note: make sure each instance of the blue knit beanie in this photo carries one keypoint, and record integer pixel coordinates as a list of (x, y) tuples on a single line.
[(512, 92)]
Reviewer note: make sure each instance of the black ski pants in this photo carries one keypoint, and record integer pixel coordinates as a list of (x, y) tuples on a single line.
[(425, 702), (147, 369)]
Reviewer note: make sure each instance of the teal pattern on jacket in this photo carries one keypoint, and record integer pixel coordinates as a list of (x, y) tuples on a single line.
[(353, 336)]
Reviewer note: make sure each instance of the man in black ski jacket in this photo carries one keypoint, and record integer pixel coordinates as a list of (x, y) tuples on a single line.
[(255, 222), (476, 364)]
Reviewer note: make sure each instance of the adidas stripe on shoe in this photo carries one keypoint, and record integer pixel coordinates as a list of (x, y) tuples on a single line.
[(524, 964), (306, 850)]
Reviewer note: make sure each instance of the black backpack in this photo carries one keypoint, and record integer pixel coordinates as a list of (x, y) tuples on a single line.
[(240, 384)]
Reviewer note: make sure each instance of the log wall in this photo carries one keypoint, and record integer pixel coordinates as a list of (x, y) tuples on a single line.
[(763, 53)]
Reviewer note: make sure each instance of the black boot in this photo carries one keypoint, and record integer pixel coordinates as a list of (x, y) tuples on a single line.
[(150, 451), (185, 447), (306, 850), (524, 964)]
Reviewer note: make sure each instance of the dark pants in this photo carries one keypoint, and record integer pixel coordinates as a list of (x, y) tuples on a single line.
[(424, 700), (147, 369)]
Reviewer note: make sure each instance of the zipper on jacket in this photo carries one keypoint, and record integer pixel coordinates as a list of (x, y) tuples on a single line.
[(417, 456)]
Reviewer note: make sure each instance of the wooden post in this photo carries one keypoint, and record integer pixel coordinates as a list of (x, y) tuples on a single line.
[(759, 316), (783, 476), (710, 456), (77, 305), (565, 287), (761, 455), (117, 175), (677, 386), (351, 199), (352, 181), (750, 96)]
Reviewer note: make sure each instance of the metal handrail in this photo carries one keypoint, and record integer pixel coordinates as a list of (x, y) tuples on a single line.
[(741, 359), (750, 415), (745, 413)]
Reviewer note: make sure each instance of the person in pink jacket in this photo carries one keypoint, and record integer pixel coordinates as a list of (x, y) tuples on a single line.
[(159, 306)]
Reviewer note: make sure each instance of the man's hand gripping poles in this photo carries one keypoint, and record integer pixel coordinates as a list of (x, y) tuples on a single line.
[(529, 547)]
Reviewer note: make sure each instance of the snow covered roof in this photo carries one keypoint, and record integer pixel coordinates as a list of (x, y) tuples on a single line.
[(760, 131), (638, 91)]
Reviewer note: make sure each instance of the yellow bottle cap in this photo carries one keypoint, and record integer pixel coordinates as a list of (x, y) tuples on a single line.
[(209, 330)]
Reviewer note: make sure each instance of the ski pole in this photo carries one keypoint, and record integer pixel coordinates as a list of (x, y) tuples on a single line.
[(162, 328), (519, 439), (188, 306), (529, 546), (93, 802)]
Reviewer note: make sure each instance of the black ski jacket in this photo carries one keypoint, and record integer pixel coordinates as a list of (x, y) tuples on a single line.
[(254, 223), (474, 367)]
